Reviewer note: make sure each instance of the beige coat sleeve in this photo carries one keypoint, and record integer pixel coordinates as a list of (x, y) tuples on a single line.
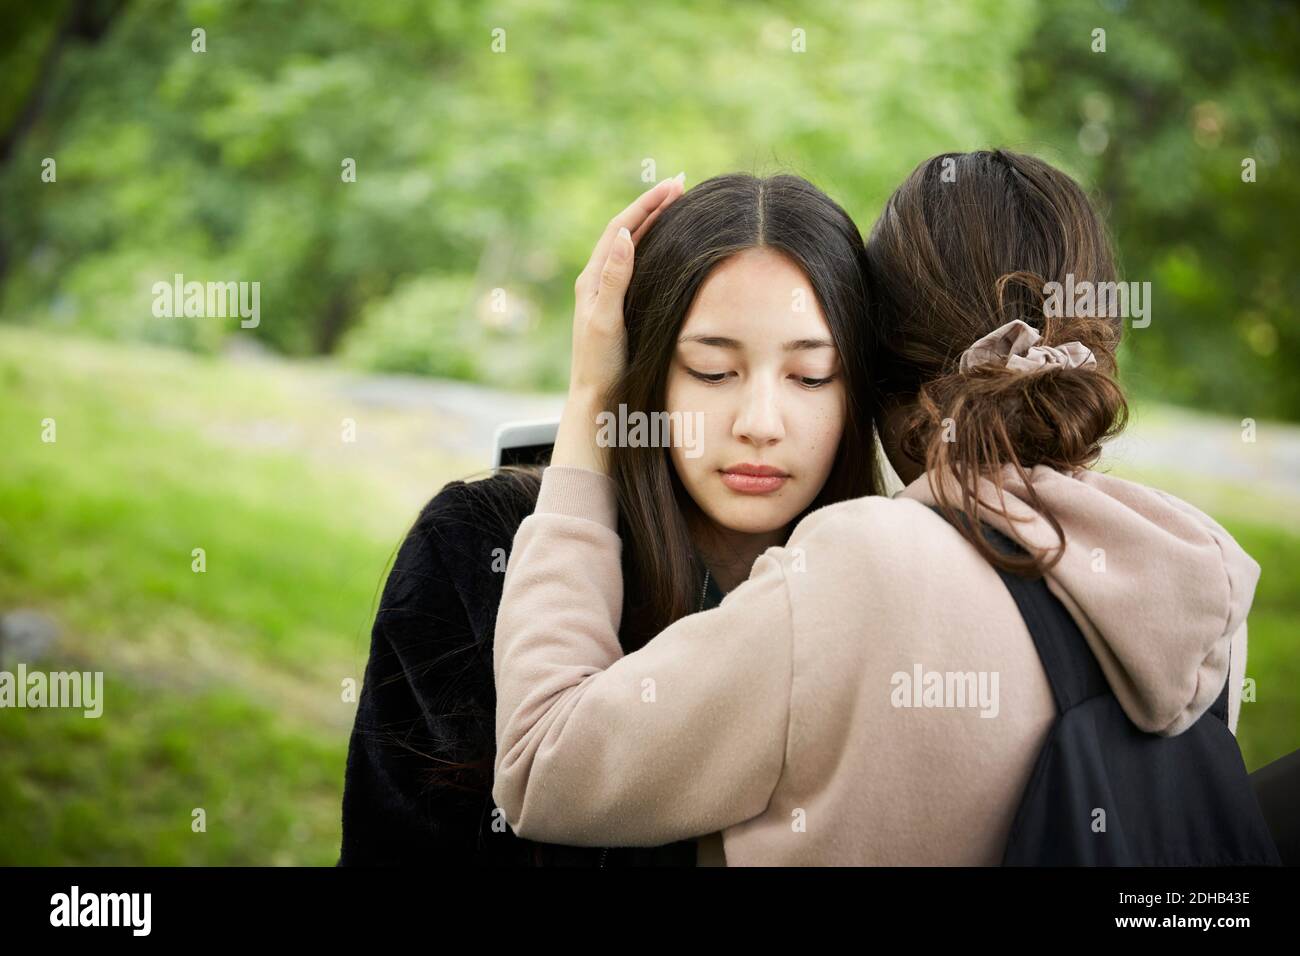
[(685, 737)]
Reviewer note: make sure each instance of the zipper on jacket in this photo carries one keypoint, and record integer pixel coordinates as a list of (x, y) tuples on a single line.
[(603, 851)]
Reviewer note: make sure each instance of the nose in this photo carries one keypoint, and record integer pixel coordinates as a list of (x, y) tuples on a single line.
[(759, 420)]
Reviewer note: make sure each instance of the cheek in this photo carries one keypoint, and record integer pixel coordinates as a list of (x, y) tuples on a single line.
[(681, 397), (688, 397), (824, 427)]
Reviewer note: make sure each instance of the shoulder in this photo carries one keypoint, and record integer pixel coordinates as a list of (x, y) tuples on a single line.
[(868, 519), (875, 532)]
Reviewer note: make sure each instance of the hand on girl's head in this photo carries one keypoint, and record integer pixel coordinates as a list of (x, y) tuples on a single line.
[(599, 337), (598, 332)]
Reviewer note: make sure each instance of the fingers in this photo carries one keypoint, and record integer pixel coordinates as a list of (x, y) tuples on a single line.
[(675, 189), (631, 217), (634, 217), (615, 276)]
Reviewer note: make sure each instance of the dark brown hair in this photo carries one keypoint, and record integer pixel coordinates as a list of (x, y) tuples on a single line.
[(706, 226), (454, 733), (967, 243), (712, 222)]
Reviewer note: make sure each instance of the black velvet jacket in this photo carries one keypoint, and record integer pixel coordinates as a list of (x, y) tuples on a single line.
[(428, 702)]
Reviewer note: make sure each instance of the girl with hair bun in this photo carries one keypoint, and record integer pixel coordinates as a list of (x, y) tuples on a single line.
[(872, 694), (952, 258)]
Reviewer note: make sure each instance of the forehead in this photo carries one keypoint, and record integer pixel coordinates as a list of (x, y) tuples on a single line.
[(760, 291)]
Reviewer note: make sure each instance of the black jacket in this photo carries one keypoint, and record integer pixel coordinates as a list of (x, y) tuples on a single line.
[(428, 701)]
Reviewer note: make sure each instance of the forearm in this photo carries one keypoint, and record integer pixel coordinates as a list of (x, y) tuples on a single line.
[(575, 441)]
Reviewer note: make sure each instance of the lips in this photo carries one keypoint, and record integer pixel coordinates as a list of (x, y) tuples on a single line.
[(749, 479)]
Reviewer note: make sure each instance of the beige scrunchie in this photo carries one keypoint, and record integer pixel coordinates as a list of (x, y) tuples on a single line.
[(1013, 345)]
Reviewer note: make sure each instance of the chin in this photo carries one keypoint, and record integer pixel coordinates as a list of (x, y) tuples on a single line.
[(752, 516)]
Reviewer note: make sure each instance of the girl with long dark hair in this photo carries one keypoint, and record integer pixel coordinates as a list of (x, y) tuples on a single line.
[(776, 271)]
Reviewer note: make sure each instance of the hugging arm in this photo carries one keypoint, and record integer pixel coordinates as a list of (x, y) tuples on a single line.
[(685, 737)]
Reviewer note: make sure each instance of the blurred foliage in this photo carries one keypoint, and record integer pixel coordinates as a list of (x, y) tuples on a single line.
[(1161, 123), (222, 690), (475, 170), (481, 169)]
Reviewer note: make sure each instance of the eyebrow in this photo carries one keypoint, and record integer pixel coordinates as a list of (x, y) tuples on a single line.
[(797, 345)]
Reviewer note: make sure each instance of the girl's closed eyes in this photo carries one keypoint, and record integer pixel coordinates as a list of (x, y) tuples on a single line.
[(716, 378)]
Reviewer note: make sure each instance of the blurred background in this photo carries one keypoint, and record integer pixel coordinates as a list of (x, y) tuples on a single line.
[(414, 186)]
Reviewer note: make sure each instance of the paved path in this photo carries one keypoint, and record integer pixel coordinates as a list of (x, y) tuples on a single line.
[(1158, 438), (1212, 447), (467, 415)]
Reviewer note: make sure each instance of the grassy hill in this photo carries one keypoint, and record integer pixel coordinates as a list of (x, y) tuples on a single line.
[(223, 689)]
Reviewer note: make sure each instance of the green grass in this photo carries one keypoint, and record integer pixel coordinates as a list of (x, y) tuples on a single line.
[(1270, 726), (125, 788), (222, 689)]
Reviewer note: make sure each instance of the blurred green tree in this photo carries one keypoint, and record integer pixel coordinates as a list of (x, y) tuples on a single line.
[(1162, 122), (490, 143)]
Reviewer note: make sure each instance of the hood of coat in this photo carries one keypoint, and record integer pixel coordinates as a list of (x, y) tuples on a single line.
[(1157, 587)]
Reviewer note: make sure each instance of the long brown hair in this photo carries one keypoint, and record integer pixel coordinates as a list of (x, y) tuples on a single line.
[(967, 243), (715, 220)]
